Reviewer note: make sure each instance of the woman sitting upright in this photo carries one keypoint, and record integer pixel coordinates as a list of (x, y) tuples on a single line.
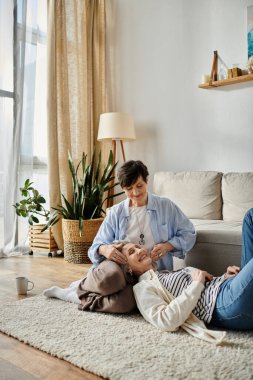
[(153, 222)]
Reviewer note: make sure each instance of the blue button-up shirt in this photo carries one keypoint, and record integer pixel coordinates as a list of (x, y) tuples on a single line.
[(167, 223)]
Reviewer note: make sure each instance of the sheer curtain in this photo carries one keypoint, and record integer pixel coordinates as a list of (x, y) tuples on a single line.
[(6, 96), (77, 88), (23, 121)]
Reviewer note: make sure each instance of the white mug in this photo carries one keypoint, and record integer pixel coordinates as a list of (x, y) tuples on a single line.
[(22, 285)]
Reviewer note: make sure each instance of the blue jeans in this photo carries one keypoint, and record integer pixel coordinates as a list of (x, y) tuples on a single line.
[(234, 304)]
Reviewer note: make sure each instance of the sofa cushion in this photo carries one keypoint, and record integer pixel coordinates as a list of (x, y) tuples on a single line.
[(237, 193), (218, 231), (198, 194)]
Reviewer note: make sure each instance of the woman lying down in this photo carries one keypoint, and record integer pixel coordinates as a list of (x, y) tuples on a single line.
[(189, 298)]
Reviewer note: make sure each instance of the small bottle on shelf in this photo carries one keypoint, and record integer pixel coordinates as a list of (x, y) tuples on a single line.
[(222, 73)]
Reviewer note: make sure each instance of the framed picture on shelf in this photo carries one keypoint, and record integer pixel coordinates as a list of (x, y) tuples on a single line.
[(250, 30)]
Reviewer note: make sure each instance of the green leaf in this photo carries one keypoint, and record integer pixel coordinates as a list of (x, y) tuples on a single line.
[(24, 193), (109, 177), (98, 167), (55, 221), (84, 158), (72, 170), (109, 187), (27, 183), (80, 226), (69, 209), (41, 199), (109, 164), (35, 193), (76, 171), (92, 165), (112, 196), (80, 201), (36, 220), (96, 212), (54, 218)]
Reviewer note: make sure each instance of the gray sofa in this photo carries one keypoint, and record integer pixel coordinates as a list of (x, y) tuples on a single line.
[(216, 204)]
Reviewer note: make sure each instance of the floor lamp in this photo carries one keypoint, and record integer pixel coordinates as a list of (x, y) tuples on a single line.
[(117, 127)]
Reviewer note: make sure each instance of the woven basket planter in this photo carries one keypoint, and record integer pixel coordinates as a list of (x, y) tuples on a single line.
[(76, 246)]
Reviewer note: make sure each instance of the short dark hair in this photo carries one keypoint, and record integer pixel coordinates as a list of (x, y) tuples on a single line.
[(130, 171)]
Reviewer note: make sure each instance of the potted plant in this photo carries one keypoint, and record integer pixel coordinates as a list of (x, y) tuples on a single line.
[(31, 206), (83, 215)]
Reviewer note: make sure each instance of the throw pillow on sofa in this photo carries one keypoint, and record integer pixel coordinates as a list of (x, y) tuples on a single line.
[(198, 194)]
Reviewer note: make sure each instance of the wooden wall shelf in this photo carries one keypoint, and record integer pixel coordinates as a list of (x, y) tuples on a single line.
[(226, 82)]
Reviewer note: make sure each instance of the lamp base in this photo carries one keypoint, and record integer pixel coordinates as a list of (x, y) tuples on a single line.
[(114, 142)]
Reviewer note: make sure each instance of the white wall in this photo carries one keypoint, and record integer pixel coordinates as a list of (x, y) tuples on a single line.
[(158, 51)]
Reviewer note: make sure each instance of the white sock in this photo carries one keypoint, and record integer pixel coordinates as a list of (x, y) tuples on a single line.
[(75, 284), (68, 294)]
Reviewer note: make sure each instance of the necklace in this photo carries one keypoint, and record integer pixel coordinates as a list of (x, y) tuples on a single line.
[(141, 241)]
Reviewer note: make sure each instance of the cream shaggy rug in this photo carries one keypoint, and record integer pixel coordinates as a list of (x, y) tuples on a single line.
[(123, 347)]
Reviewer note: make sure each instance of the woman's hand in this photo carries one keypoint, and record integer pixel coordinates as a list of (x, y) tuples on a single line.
[(160, 249), (201, 275), (112, 252), (232, 270)]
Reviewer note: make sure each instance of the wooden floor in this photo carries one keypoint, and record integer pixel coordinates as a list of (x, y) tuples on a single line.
[(18, 360)]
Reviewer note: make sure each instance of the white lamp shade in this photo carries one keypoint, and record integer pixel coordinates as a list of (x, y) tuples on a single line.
[(116, 126)]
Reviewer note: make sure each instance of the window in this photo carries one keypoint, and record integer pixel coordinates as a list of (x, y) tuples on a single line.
[(23, 55), (32, 29)]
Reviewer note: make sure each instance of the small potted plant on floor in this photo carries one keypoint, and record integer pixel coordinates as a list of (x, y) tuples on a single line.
[(83, 214), (31, 206)]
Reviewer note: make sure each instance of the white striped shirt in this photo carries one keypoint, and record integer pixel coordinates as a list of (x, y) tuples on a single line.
[(176, 282)]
